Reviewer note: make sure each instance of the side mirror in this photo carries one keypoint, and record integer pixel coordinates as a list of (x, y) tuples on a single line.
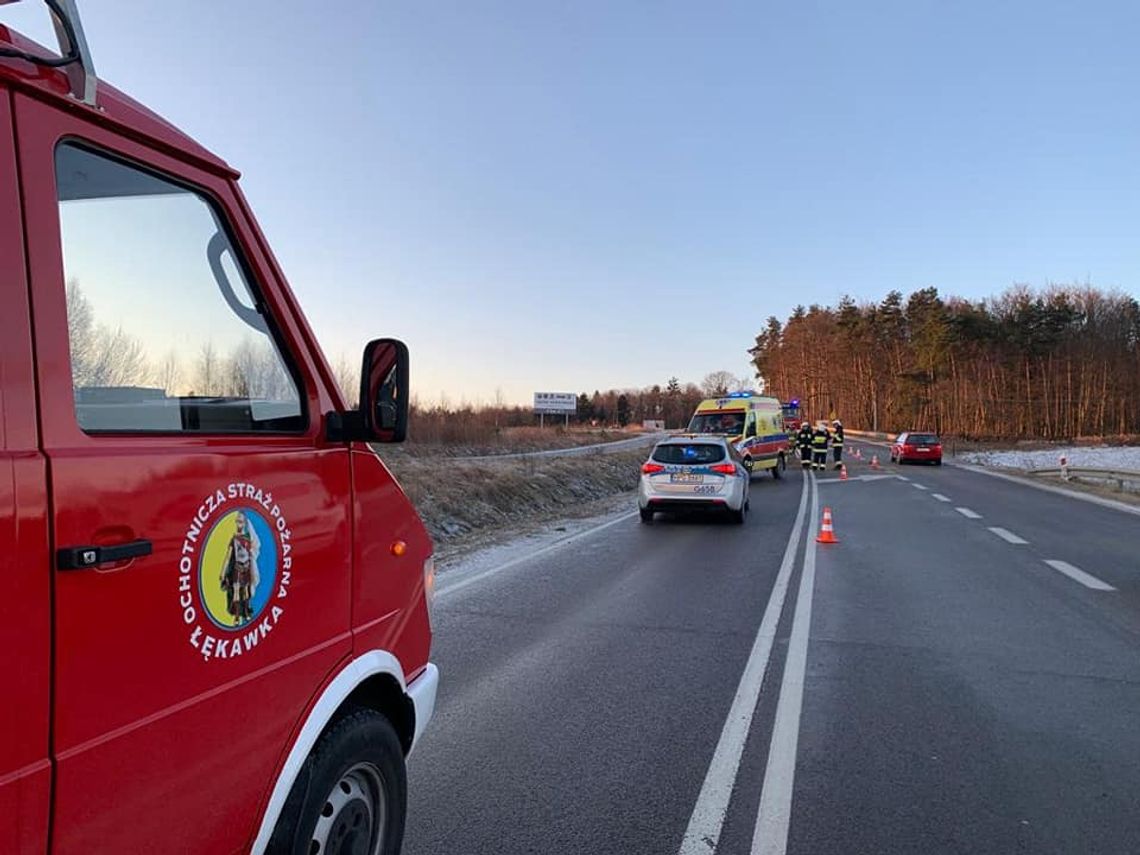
[(384, 390)]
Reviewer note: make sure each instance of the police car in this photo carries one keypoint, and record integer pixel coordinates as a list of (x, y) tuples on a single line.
[(692, 472)]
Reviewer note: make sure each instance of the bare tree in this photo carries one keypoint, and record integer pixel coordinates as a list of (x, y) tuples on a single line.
[(80, 331), (208, 371), (718, 383), (168, 373), (101, 356), (347, 375), (255, 370)]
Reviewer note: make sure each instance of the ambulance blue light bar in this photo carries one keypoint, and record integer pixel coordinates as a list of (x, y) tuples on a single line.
[(739, 395)]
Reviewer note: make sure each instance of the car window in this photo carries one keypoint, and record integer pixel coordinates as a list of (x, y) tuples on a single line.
[(690, 454), (723, 422), (923, 439), (165, 331)]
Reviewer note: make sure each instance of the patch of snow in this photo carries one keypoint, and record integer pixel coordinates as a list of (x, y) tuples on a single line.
[(1122, 458)]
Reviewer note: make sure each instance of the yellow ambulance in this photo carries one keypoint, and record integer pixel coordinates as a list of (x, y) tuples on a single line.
[(753, 423)]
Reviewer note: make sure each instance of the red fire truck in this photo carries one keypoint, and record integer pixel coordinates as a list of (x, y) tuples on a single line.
[(216, 629), (793, 416)]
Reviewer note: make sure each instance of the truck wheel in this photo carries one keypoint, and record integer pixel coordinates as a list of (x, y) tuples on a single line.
[(748, 464), (350, 795), (778, 469), (646, 515)]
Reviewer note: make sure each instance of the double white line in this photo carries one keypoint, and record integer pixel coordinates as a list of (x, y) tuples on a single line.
[(771, 832)]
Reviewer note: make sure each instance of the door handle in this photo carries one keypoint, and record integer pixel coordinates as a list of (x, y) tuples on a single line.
[(82, 557)]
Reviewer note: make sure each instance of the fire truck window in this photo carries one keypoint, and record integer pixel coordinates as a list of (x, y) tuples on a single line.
[(165, 330)]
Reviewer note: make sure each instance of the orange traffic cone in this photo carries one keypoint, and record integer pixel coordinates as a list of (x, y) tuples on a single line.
[(842, 473), (826, 532), (858, 454), (874, 461)]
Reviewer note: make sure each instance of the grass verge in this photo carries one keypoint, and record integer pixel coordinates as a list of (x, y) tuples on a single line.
[(467, 505)]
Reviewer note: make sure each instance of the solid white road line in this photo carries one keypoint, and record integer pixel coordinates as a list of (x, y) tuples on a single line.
[(1089, 581), (902, 477), (940, 497), (968, 514), (1007, 535), (507, 565), (918, 486), (707, 820), (770, 836)]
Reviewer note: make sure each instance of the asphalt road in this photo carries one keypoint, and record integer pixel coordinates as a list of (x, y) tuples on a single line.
[(926, 685)]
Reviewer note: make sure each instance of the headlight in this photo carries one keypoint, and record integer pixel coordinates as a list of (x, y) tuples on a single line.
[(429, 582)]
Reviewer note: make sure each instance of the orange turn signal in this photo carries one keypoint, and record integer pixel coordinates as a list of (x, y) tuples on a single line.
[(399, 548)]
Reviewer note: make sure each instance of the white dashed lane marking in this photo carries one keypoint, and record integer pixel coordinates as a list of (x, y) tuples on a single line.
[(1079, 575), (1007, 535), (968, 514)]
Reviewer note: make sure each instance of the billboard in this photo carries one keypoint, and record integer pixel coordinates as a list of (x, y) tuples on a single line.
[(556, 403)]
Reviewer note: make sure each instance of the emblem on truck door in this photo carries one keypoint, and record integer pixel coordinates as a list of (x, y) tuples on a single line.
[(234, 571)]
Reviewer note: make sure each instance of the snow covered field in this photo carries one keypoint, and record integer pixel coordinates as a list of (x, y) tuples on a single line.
[(1092, 457)]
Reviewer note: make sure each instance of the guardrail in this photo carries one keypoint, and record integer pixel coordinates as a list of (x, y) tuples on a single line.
[(1121, 477), (574, 451), (866, 434)]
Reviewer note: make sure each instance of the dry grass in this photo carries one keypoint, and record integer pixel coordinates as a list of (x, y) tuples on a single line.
[(468, 440), (458, 499)]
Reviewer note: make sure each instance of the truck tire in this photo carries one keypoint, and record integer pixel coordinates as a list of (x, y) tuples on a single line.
[(350, 795), (778, 469)]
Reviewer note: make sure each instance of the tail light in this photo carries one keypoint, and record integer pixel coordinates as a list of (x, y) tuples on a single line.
[(724, 468), (652, 468)]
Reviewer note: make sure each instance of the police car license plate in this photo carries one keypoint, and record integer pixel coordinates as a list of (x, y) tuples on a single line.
[(686, 478)]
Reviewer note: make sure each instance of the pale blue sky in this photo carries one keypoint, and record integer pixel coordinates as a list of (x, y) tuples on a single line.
[(569, 196)]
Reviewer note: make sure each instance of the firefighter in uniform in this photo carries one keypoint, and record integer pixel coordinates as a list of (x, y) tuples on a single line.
[(819, 439), (803, 439), (837, 443)]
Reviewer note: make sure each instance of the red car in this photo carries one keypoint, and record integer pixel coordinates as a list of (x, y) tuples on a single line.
[(917, 446), (216, 631)]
